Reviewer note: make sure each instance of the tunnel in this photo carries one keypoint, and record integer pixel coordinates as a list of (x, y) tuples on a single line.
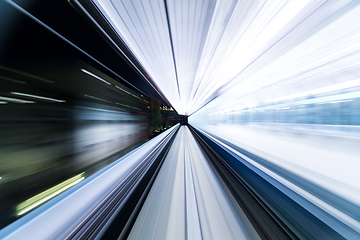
[(179, 119)]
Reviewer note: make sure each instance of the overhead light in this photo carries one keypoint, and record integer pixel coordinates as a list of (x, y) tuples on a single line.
[(2, 102), (95, 76), (15, 100)]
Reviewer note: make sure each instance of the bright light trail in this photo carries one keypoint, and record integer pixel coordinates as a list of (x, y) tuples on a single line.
[(128, 106), (15, 100), (38, 97), (114, 90), (96, 98), (95, 76), (128, 92)]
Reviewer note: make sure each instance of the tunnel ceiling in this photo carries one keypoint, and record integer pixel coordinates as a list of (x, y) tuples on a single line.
[(195, 50)]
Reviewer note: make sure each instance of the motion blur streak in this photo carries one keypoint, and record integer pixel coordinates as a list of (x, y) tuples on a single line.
[(266, 145), (300, 113), (189, 199)]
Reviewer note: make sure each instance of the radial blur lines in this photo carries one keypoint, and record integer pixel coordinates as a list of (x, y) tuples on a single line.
[(143, 26), (193, 49), (187, 200)]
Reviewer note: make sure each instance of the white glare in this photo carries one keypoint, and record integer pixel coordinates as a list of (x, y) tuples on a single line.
[(192, 49)]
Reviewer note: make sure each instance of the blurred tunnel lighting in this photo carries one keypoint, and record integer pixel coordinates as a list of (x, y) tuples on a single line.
[(225, 41)]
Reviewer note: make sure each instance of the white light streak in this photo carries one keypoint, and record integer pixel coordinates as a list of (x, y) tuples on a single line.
[(2, 102), (96, 98), (37, 97), (128, 92), (331, 88), (95, 76), (128, 106), (15, 100), (341, 101)]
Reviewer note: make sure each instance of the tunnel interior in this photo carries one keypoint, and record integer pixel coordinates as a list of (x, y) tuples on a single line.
[(167, 119)]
